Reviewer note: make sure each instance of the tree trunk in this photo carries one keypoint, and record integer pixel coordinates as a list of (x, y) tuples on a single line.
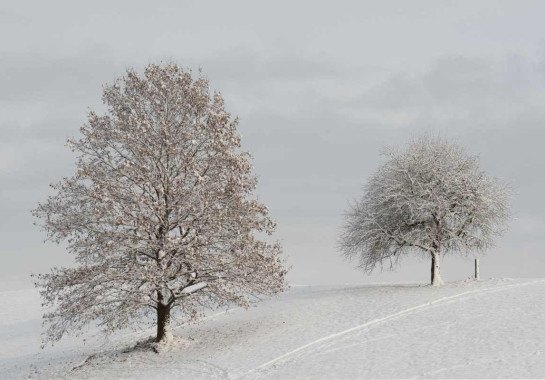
[(477, 275), (163, 323), (436, 269)]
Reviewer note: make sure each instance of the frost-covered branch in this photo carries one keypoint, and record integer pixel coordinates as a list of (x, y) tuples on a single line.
[(433, 198), (161, 202)]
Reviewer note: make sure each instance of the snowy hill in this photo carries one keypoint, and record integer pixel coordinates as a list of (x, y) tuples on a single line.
[(487, 329)]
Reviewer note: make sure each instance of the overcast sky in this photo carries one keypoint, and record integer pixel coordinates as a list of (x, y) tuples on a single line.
[(320, 88)]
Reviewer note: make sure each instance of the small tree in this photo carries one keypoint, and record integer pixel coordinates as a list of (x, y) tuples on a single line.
[(159, 214), (431, 198)]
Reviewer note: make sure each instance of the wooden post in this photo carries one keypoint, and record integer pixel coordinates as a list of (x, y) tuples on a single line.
[(476, 269)]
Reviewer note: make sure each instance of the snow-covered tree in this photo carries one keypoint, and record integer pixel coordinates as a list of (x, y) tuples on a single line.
[(159, 214), (431, 198)]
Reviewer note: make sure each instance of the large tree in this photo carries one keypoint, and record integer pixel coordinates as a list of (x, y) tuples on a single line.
[(159, 214), (432, 198)]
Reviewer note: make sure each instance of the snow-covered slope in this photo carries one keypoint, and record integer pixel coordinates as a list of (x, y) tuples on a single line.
[(491, 329)]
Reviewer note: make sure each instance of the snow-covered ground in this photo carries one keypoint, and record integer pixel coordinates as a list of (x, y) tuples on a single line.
[(487, 329)]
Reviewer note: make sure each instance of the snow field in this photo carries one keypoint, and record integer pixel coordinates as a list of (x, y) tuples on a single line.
[(487, 329)]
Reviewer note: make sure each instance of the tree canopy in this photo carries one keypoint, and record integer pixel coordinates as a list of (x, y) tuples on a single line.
[(160, 214), (431, 197)]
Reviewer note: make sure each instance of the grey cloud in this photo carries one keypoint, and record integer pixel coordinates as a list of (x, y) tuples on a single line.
[(55, 130), (319, 89), (319, 156), (246, 65), (43, 77)]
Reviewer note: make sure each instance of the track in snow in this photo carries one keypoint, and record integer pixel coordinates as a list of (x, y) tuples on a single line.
[(412, 310)]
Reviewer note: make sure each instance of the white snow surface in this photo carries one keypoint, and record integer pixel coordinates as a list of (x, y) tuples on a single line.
[(486, 329)]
